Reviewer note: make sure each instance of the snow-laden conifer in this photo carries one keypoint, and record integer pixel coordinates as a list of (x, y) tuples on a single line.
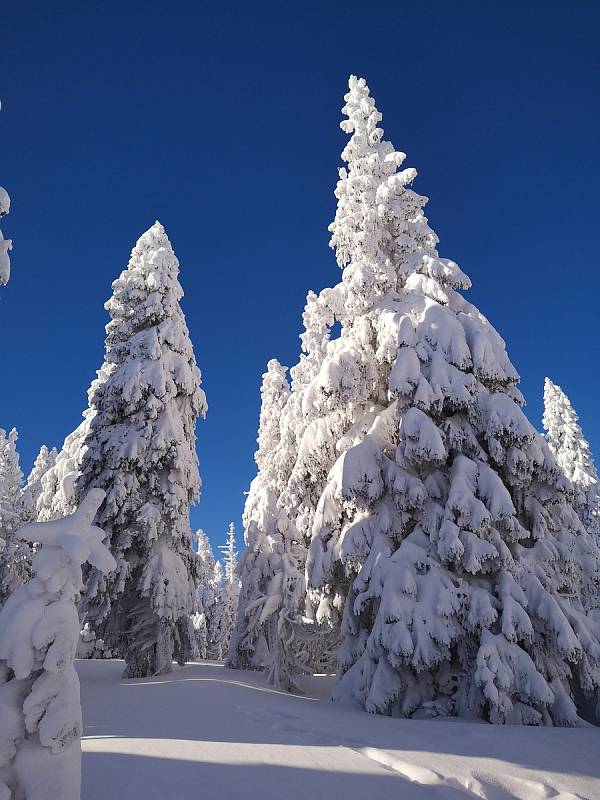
[(14, 552), (262, 538), (270, 632), (215, 620), (227, 600), (572, 453), (444, 530), (40, 711), (32, 490), (140, 448), (207, 591)]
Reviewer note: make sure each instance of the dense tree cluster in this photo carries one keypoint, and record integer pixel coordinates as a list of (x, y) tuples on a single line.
[(443, 541), (406, 522)]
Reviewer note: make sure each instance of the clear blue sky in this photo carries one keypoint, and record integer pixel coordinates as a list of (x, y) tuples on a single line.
[(221, 120)]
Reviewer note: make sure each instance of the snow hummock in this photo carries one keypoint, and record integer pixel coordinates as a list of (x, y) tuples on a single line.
[(206, 731)]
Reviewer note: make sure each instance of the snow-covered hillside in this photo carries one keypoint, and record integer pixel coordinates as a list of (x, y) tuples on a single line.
[(208, 732)]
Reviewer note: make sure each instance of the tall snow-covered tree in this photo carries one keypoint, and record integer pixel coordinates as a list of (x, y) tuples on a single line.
[(140, 448), (256, 568), (40, 710), (207, 590), (572, 453), (14, 553), (445, 529), (32, 490), (229, 594), (216, 620), (224, 612)]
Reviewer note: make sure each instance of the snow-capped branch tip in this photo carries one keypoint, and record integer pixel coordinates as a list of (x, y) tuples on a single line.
[(4, 202), (155, 232), (153, 239), (76, 523)]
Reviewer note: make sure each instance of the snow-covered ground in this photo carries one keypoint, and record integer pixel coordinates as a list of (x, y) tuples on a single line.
[(217, 734)]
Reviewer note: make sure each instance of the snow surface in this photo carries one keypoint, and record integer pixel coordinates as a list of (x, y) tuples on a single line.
[(220, 734)]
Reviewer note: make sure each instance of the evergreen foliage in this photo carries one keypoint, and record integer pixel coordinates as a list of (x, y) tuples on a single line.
[(572, 453)]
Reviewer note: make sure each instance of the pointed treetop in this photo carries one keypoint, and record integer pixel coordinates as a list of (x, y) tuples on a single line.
[(274, 392), (154, 238), (4, 202), (361, 111), (11, 476), (380, 234), (230, 555)]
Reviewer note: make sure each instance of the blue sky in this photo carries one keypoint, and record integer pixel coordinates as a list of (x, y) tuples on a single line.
[(222, 121)]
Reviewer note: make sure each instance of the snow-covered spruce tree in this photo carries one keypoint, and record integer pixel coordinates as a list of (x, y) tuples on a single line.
[(206, 592), (445, 527), (15, 554), (32, 490), (228, 596), (140, 448), (260, 563), (270, 632), (572, 453), (40, 711), (214, 621)]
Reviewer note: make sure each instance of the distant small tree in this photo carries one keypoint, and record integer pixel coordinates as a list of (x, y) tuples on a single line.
[(217, 612), (206, 592), (40, 711), (227, 592), (32, 490), (572, 453), (260, 564)]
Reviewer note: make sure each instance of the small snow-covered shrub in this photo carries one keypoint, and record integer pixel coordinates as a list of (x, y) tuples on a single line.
[(90, 647), (40, 711)]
